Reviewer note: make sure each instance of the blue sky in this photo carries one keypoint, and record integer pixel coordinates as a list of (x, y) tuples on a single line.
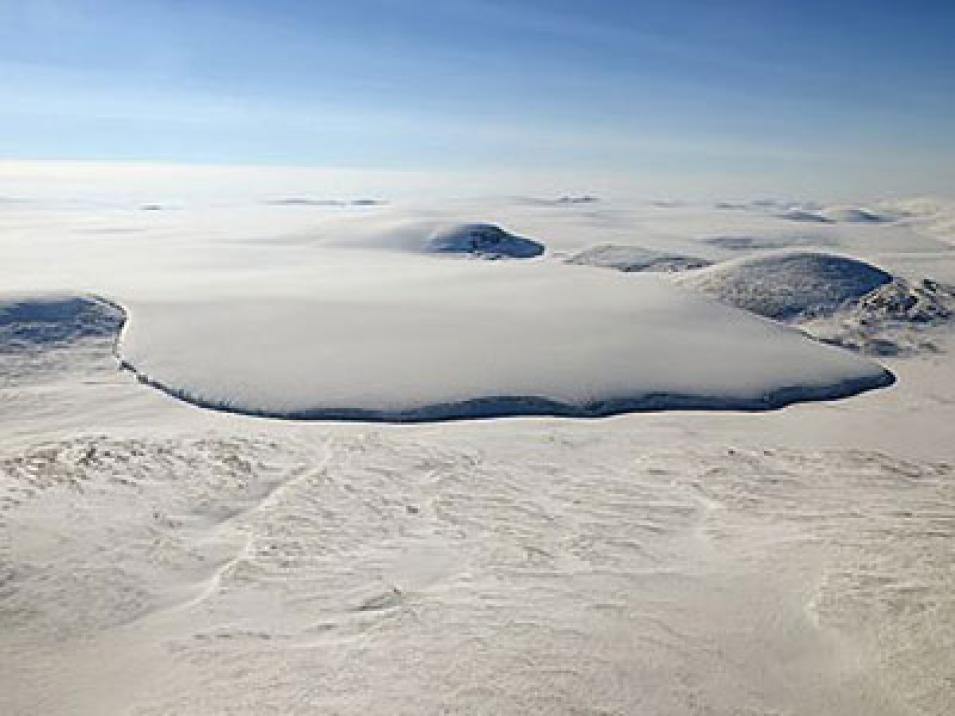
[(853, 97)]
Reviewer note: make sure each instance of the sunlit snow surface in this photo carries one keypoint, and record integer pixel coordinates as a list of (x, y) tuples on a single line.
[(407, 313), (156, 557), (383, 338)]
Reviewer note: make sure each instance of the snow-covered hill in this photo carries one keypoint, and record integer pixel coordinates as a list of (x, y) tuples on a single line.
[(635, 258), (787, 285), (32, 322)]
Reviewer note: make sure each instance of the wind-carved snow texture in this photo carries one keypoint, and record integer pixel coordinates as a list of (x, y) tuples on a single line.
[(785, 285), (477, 339), (897, 318), (33, 323), (195, 485), (50, 337), (408, 572), (635, 258)]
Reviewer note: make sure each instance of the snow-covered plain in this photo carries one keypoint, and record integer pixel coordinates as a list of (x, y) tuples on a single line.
[(158, 557)]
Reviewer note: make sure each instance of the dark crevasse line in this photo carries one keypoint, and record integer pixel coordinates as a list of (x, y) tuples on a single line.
[(534, 406)]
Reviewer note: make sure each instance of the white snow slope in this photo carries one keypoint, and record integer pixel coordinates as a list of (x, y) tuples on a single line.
[(788, 284)]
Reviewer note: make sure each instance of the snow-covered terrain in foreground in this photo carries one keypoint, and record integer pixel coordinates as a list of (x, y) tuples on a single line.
[(156, 557)]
